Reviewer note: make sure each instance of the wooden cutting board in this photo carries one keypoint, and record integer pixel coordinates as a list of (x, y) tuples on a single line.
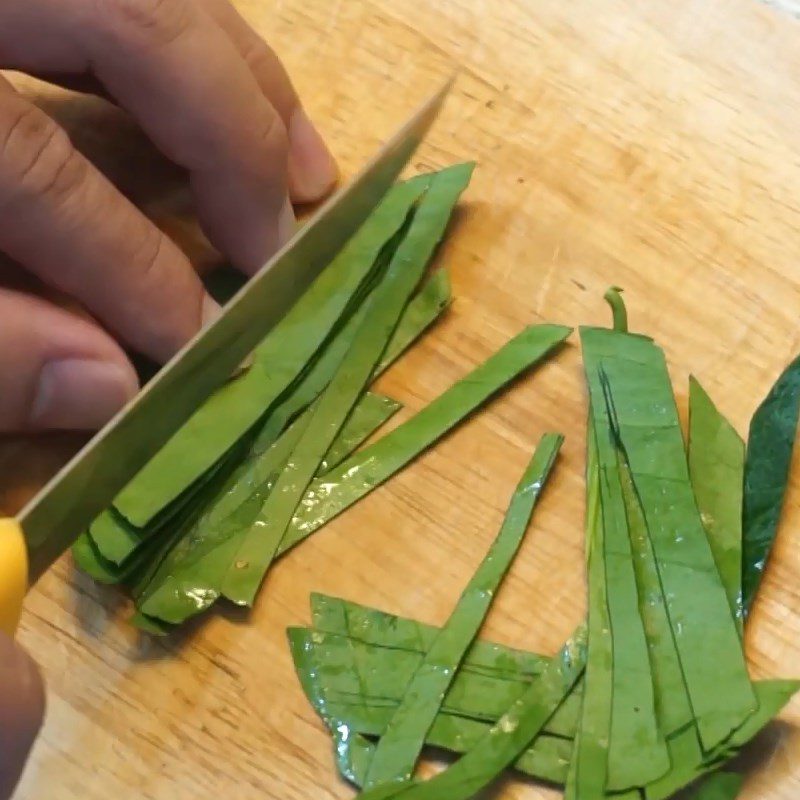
[(651, 145)]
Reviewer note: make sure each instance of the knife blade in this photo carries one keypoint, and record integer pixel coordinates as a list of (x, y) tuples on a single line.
[(65, 506)]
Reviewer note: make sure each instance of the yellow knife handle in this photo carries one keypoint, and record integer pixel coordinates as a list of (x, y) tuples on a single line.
[(13, 574)]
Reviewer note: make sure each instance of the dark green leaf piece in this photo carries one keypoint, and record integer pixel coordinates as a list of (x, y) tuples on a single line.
[(766, 474), (650, 440), (505, 741), (361, 473), (716, 467), (279, 360), (398, 749), (428, 223), (360, 659)]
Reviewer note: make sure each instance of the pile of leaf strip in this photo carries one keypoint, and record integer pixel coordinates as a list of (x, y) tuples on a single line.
[(653, 694), (273, 455)]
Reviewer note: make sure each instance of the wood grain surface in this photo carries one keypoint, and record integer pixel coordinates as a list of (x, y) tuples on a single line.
[(652, 145)]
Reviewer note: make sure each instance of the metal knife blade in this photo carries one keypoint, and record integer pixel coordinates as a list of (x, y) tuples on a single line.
[(56, 516)]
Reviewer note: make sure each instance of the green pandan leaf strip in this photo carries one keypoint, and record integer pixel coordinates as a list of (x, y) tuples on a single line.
[(619, 680), (189, 581), (336, 491), (369, 413), (502, 745), (405, 270), (588, 774), (716, 467), (651, 442), (367, 678), (373, 627), (398, 749), (423, 310)]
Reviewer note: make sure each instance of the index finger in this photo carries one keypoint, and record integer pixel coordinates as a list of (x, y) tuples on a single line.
[(179, 74)]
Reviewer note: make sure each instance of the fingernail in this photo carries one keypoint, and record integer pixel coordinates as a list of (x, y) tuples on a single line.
[(210, 310), (312, 169), (79, 394)]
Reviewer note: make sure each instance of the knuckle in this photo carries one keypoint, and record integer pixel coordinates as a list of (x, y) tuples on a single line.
[(271, 134), (37, 156), (258, 56), (158, 21), (148, 251)]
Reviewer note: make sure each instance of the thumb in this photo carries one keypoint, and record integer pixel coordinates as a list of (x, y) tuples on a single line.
[(57, 370), (21, 712)]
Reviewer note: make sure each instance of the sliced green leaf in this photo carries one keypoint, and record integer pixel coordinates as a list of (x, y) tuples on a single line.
[(766, 474), (117, 540), (349, 721), (505, 741), (279, 360), (91, 561), (428, 223), (589, 771), (369, 413), (650, 440), (716, 467), (363, 678), (374, 627), (328, 496), (189, 581), (423, 310), (397, 751)]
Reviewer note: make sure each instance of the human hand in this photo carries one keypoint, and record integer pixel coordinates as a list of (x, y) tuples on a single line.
[(21, 712), (214, 98)]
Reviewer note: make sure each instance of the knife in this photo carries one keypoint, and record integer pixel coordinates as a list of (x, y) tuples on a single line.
[(56, 516)]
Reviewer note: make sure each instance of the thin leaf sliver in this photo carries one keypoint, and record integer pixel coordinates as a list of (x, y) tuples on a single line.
[(716, 467), (259, 546), (332, 493), (505, 741), (399, 747)]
